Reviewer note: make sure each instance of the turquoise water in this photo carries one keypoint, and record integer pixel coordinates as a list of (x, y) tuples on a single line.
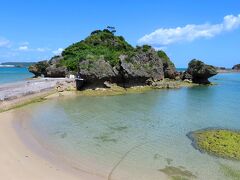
[(181, 69), (8, 75), (135, 136)]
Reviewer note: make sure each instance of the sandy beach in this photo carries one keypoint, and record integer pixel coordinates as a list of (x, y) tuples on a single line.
[(19, 162), (21, 156)]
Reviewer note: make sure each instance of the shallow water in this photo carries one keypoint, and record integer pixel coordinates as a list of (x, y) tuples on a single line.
[(9, 75), (140, 136)]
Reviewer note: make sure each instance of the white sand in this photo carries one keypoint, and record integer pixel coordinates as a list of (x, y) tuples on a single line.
[(19, 162), (19, 93)]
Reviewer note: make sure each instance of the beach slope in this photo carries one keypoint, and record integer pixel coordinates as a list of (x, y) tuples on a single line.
[(19, 162)]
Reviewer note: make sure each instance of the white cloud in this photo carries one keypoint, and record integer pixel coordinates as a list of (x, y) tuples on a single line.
[(58, 51), (190, 32), (157, 48), (25, 43), (42, 49), (23, 48), (26, 48), (4, 42)]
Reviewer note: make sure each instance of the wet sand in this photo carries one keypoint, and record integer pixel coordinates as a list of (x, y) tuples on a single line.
[(20, 93), (22, 157), (19, 162)]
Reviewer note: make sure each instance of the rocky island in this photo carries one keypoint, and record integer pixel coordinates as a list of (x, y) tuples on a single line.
[(109, 65), (104, 58)]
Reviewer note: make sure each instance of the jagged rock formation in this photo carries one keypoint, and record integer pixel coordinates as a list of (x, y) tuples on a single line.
[(105, 57), (168, 66), (132, 70), (55, 69), (199, 72), (236, 67), (144, 64), (39, 68), (51, 68)]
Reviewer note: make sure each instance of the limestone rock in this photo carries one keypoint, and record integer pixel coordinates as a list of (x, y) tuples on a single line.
[(199, 72)]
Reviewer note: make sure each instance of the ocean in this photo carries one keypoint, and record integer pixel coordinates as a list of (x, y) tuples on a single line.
[(11, 74), (139, 136)]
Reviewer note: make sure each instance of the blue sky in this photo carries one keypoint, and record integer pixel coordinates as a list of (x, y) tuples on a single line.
[(34, 30)]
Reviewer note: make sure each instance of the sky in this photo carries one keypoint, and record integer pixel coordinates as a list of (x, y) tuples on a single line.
[(34, 30)]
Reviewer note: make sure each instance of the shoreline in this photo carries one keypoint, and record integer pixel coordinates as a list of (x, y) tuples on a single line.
[(22, 157), (23, 154), (25, 157), (14, 95), (226, 71)]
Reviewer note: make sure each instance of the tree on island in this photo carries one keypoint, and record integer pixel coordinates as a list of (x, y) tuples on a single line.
[(111, 29)]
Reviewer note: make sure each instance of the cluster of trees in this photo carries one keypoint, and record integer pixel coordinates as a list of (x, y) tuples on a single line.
[(102, 44)]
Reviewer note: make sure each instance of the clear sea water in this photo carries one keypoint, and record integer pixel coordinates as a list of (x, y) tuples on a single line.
[(135, 136), (9, 75)]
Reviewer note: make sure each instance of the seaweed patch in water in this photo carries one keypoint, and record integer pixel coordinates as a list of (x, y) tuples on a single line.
[(230, 172), (63, 135), (120, 128), (157, 156), (177, 173), (222, 143), (169, 160), (105, 138)]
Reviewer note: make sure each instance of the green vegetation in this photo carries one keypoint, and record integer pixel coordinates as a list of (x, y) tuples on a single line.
[(24, 103), (106, 137), (40, 67), (166, 59), (102, 44), (218, 142), (114, 90), (99, 45), (178, 173)]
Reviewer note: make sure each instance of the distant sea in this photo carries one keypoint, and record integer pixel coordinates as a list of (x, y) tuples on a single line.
[(181, 69), (11, 74)]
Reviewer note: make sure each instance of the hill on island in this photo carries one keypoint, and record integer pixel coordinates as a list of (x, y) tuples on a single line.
[(104, 56)]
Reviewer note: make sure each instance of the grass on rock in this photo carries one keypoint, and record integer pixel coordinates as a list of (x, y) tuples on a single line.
[(218, 142)]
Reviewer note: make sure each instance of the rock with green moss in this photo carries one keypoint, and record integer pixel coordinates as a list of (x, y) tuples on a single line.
[(217, 142), (142, 65), (51, 68), (39, 68), (101, 44), (105, 57), (168, 66)]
